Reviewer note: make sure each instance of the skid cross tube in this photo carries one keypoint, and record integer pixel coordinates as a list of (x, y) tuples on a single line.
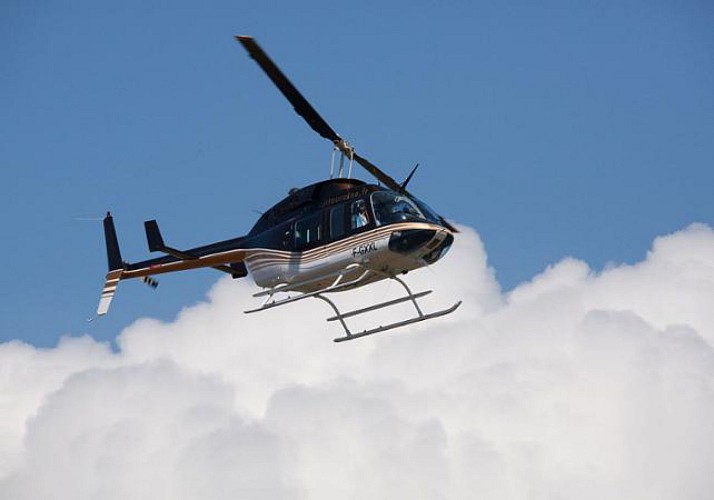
[(353, 336), (383, 328), (379, 306)]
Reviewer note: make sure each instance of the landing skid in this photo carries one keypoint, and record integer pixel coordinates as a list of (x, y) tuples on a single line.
[(337, 285)]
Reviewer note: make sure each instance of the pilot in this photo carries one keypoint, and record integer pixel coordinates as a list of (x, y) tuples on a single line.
[(359, 214)]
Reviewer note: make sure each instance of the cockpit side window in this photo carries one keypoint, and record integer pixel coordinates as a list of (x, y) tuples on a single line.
[(358, 214)]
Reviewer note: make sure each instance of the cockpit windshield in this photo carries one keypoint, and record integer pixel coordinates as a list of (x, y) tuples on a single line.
[(428, 212), (390, 206)]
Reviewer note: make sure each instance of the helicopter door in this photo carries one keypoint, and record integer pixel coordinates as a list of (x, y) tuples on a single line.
[(337, 221), (308, 231)]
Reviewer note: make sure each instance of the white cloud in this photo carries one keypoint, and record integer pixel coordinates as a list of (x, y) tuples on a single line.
[(576, 384)]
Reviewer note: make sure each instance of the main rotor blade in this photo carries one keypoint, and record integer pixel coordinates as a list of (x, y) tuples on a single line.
[(300, 104), (309, 114), (375, 171), (312, 117)]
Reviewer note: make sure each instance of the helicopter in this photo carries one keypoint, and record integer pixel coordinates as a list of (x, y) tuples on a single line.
[(335, 235)]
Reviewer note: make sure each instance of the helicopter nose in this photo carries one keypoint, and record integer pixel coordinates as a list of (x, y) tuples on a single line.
[(410, 240), (439, 248)]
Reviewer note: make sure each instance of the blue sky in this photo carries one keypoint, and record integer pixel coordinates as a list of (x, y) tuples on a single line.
[(553, 129)]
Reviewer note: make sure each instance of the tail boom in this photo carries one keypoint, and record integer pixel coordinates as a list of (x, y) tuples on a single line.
[(138, 270), (229, 260)]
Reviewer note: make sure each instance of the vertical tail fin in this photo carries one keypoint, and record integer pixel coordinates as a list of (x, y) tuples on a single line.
[(110, 287), (116, 266), (110, 235)]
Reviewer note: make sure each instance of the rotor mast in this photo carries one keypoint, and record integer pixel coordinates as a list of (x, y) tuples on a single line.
[(346, 152)]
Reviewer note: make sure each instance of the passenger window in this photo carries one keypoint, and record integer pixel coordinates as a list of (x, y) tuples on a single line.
[(337, 221), (307, 231), (358, 214)]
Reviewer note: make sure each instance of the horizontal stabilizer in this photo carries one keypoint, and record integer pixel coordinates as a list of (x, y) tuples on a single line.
[(156, 244), (153, 236)]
